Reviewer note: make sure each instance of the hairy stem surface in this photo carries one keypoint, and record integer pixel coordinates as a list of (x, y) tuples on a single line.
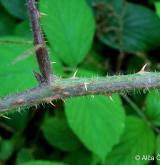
[(64, 88), (41, 53)]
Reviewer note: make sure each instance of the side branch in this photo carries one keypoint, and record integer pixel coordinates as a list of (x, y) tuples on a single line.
[(64, 88), (41, 53)]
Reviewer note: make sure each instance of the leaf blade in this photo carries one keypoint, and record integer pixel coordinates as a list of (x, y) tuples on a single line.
[(92, 117), (65, 31), (138, 140)]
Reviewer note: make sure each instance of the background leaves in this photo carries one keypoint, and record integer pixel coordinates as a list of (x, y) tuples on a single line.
[(17, 8), (127, 31), (83, 130), (138, 139)]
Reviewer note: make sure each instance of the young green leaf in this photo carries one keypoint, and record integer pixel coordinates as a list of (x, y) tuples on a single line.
[(137, 142), (69, 26), (98, 122)]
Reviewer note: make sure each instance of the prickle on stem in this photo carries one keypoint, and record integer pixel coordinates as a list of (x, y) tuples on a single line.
[(142, 71)]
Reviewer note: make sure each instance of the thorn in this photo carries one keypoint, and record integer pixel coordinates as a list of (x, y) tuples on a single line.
[(143, 68), (42, 14), (74, 75), (63, 100), (6, 117), (19, 110), (52, 103), (142, 71), (43, 104), (85, 85), (36, 106), (53, 62), (110, 96)]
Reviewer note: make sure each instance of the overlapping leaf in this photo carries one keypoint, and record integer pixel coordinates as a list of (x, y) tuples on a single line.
[(98, 122), (153, 107), (137, 142), (58, 134)]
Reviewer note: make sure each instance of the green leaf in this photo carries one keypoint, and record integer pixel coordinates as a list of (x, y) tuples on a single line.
[(57, 64), (151, 2), (19, 76), (79, 157), (153, 107), (17, 8), (157, 5), (23, 30), (94, 62), (6, 22), (58, 134), (24, 155), (69, 26), (134, 27), (6, 149), (18, 121), (42, 162), (158, 150), (134, 63), (98, 122), (137, 141)]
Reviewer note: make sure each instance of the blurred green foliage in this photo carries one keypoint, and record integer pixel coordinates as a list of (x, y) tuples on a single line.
[(91, 36)]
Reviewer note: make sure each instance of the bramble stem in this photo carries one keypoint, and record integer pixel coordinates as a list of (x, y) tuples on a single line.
[(65, 88), (41, 53)]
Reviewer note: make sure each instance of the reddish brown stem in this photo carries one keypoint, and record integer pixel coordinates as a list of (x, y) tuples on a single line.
[(42, 53)]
